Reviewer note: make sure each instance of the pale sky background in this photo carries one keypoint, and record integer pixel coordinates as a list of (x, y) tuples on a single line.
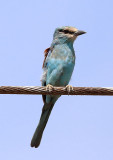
[(80, 127)]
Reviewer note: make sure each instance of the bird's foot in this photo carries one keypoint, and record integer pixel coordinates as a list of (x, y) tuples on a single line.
[(69, 88), (49, 87)]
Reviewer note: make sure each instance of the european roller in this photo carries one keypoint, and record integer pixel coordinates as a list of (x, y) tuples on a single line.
[(58, 66)]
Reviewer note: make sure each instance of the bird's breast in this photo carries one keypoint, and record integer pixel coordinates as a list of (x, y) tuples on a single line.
[(63, 53)]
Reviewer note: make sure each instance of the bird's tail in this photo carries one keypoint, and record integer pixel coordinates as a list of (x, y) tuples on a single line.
[(35, 142)]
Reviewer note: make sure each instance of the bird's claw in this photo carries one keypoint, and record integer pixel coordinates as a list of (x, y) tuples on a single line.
[(49, 87), (69, 88)]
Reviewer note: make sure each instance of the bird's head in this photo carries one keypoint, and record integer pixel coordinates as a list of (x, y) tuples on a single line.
[(67, 33)]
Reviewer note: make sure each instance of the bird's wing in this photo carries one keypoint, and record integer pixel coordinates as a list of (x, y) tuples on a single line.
[(44, 66), (45, 56)]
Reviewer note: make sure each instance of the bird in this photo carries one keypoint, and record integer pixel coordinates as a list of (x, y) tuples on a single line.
[(58, 65)]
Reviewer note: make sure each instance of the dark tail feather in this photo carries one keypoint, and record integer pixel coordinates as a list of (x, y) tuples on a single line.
[(35, 142)]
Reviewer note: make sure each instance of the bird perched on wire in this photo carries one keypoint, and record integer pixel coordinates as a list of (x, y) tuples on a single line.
[(58, 66)]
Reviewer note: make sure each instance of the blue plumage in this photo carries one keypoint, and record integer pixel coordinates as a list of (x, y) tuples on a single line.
[(57, 70)]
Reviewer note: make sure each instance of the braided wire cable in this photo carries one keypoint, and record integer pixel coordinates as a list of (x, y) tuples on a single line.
[(35, 90)]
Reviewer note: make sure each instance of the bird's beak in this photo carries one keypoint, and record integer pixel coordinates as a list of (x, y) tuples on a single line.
[(79, 32)]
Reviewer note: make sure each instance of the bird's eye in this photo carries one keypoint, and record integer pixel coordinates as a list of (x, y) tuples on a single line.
[(61, 30), (71, 32), (66, 31)]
